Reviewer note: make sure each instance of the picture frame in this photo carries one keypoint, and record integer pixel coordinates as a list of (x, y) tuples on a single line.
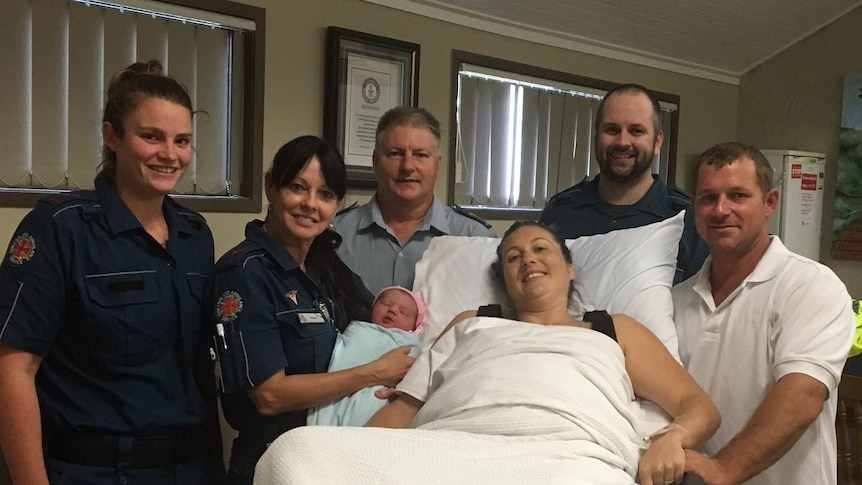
[(847, 214), (366, 75)]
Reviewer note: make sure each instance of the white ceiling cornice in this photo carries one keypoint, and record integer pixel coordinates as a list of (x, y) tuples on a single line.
[(558, 39), (709, 39)]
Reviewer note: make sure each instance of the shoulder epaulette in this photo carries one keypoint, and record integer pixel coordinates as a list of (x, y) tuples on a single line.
[(466, 213), (61, 198), (568, 193), (194, 219), (86, 201), (679, 199), (347, 209), (240, 252), (565, 194)]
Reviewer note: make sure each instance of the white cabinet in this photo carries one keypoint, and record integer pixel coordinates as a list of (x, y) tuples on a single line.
[(797, 220)]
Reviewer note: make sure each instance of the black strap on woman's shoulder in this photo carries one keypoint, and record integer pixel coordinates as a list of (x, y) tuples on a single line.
[(602, 322), (492, 310)]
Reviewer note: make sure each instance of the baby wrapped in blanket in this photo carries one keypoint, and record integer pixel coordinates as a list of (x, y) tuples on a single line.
[(397, 317)]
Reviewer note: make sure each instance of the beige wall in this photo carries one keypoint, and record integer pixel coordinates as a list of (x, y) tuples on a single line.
[(793, 101), (294, 81)]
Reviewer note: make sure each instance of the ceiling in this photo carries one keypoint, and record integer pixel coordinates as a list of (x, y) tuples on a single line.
[(714, 39)]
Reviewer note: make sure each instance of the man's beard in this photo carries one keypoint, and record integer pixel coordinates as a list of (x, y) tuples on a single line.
[(643, 162)]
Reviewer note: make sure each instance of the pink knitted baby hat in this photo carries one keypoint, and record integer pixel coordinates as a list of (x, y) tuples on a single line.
[(421, 306)]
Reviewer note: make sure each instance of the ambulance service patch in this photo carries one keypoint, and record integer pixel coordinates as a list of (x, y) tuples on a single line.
[(22, 249), (228, 306)]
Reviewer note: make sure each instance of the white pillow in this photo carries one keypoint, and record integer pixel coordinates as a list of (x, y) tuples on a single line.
[(628, 271)]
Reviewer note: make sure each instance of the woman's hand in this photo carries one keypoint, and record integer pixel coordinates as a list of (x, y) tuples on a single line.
[(282, 393), (390, 368), (664, 460), (711, 471)]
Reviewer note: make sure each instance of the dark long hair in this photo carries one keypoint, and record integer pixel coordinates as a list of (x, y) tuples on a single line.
[(336, 280)]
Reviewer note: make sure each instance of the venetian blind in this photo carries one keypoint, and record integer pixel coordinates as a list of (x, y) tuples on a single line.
[(521, 139), (53, 84)]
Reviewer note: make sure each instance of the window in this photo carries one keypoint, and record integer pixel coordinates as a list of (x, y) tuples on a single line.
[(53, 84), (523, 134)]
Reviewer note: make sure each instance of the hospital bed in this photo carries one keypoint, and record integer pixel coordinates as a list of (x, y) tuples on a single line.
[(628, 271)]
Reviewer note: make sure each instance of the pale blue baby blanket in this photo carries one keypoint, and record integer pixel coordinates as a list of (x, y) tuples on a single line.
[(361, 343)]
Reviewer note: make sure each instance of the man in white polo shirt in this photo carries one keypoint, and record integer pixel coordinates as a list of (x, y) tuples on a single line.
[(763, 330)]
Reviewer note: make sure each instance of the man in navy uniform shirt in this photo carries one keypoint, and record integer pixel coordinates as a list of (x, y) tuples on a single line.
[(626, 194)]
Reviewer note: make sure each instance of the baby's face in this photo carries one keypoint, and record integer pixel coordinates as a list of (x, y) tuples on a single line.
[(395, 309)]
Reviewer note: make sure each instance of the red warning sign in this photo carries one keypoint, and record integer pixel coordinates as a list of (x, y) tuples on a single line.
[(796, 171)]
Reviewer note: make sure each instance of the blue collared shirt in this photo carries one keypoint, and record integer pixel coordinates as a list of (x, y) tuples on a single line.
[(274, 321), (371, 249), (117, 319)]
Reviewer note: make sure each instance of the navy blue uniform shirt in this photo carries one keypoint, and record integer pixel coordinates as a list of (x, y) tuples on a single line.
[(274, 319), (579, 211), (117, 319)]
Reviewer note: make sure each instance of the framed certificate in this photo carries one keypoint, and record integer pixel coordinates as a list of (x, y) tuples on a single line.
[(366, 75)]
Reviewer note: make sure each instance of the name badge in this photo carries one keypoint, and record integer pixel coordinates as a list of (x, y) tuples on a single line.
[(311, 318)]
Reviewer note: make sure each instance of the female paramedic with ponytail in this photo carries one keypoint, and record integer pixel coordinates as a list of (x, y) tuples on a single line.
[(106, 372)]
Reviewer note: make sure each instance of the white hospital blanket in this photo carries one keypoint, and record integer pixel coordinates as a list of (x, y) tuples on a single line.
[(513, 403), (361, 343)]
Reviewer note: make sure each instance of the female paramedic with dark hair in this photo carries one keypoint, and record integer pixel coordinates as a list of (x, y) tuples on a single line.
[(106, 373), (281, 296)]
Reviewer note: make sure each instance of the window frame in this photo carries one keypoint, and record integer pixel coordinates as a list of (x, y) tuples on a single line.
[(252, 135), (463, 57)]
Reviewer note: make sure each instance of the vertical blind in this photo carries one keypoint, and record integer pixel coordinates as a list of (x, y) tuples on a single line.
[(59, 58), (521, 140)]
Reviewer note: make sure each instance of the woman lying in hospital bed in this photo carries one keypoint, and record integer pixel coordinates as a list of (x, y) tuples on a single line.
[(541, 399)]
